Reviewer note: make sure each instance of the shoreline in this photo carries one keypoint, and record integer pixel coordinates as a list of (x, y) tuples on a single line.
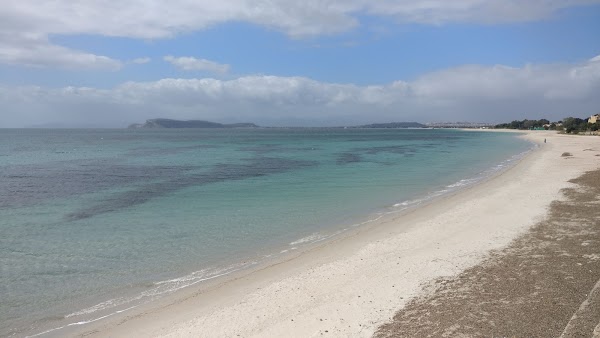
[(200, 280), (339, 265)]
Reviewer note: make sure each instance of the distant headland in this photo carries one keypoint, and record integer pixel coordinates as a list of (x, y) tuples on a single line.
[(168, 123)]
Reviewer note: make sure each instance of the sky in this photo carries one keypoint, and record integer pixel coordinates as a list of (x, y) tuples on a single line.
[(101, 63)]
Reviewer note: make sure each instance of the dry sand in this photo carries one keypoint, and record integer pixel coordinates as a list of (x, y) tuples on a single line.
[(353, 285), (545, 284)]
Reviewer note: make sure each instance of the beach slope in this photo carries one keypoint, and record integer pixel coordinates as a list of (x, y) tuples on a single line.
[(545, 284)]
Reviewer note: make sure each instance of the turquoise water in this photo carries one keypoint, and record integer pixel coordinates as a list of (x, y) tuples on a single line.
[(97, 221)]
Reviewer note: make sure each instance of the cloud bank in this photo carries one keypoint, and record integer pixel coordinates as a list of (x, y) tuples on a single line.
[(471, 92), (26, 25)]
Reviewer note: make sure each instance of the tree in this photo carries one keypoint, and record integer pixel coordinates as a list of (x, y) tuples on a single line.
[(575, 125)]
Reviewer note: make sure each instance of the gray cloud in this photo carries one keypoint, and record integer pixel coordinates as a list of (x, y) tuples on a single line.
[(472, 92), (27, 24), (475, 11)]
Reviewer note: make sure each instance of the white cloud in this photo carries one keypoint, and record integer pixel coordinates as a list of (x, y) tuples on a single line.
[(33, 51), (27, 23), (159, 19), (193, 64), (141, 61), (476, 93)]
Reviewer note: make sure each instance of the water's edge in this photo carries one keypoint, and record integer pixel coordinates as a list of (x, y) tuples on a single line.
[(246, 265)]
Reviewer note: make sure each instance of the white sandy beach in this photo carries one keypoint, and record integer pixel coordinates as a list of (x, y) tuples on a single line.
[(352, 285)]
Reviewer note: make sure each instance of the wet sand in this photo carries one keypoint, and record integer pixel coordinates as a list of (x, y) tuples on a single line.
[(353, 285)]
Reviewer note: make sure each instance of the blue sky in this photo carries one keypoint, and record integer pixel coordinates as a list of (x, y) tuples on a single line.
[(280, 64)]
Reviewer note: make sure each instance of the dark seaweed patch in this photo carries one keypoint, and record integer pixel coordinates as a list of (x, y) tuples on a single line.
[(256, 167), (391, 149), (27, 185), (262, 149), (149, 151), (400, 149), (347, 158)]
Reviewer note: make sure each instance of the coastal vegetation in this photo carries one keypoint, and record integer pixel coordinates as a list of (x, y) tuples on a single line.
[(525, 124), (569, 125)]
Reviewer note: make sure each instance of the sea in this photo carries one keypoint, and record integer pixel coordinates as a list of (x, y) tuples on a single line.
[(95, 222)]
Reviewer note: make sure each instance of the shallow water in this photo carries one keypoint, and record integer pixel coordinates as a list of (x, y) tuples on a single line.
[(96, 221)]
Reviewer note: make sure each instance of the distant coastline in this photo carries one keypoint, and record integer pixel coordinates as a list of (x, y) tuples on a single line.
[(169, 123)]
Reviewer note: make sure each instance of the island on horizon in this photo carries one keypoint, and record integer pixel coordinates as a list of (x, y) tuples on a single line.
[(169, 123)]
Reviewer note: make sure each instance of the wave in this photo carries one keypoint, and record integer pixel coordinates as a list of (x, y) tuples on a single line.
[(312, 238), (156, 289), (464, 183)]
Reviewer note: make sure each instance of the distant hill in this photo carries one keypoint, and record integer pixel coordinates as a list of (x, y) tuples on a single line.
[(393, 125), (167, 123)]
